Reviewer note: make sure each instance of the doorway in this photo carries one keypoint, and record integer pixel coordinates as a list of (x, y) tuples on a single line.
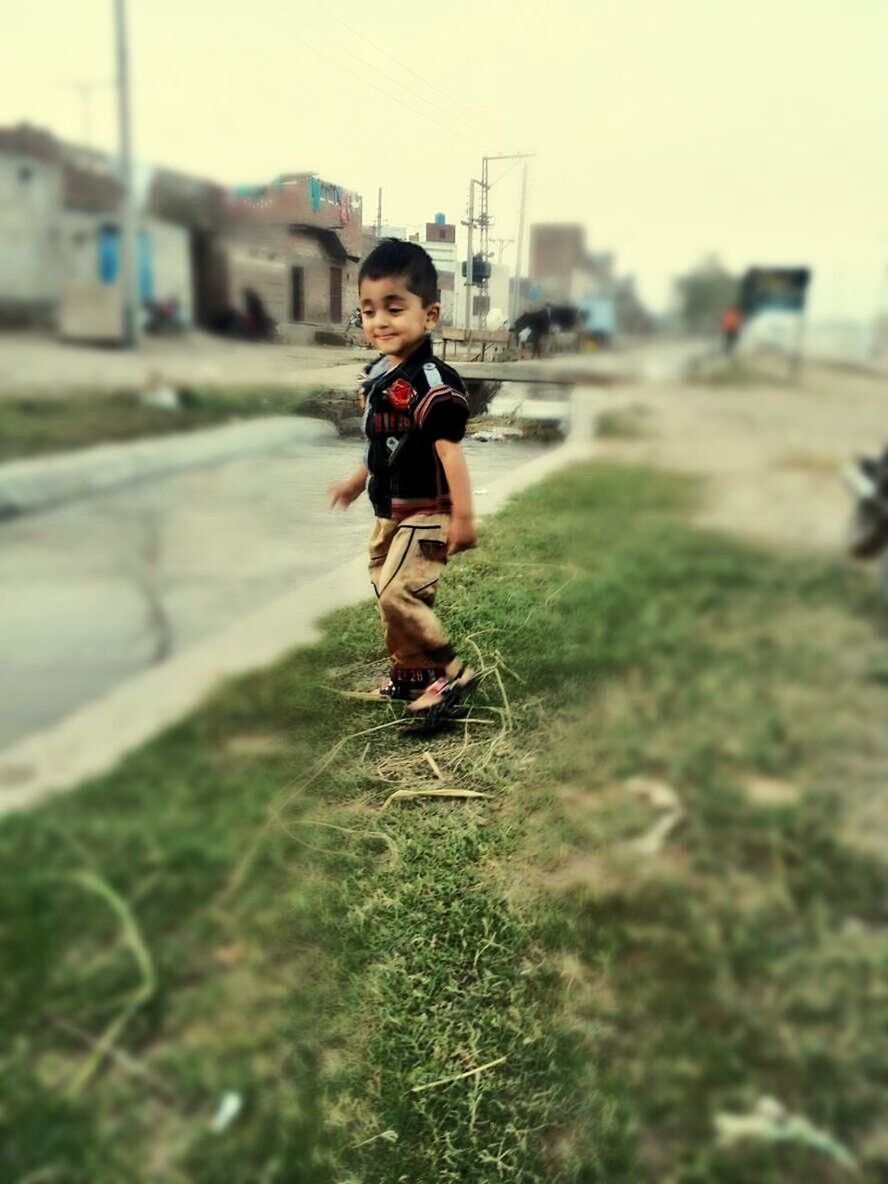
[(336, 295), (297, 294)]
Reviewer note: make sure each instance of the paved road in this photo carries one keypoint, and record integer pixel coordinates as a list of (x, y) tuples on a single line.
[(115, 583), (111, 584)]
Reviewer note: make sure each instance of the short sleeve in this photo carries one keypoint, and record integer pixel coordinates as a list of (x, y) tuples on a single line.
[(442, 414)]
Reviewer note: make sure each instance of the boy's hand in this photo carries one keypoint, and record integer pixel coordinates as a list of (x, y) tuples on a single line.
[(343, 493), (461, 534)]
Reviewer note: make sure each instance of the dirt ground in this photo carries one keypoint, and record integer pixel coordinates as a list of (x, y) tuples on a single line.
[(771, 452), (31, 363), (770, 455)]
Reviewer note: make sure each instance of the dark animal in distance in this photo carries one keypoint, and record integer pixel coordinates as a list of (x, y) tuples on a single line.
[(554, 318)]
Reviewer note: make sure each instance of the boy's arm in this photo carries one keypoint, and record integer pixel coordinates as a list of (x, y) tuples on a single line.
[(343, 493), (461, 535)]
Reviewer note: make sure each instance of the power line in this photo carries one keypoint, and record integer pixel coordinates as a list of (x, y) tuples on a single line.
[(368, 154), (422, 115), (505, 174), (371, 153), (385, 53), (389, 78), (85, 87)]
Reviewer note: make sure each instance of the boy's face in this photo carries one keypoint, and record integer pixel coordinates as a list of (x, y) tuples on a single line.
[(394, 318)]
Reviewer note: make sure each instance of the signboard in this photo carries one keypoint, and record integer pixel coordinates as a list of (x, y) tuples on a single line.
[(766, 289)]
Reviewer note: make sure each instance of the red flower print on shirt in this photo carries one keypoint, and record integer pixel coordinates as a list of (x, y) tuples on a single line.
[(399, 393)]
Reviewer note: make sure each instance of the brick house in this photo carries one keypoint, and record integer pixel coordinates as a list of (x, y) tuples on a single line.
[(297, 242)]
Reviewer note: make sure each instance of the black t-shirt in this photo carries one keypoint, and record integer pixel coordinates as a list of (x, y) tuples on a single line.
[(408, 409)]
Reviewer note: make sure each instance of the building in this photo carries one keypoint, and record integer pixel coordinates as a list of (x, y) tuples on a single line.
[(440, 243), (556, 251), (296, 242), (60, 235), (562, 271), (30, 255)]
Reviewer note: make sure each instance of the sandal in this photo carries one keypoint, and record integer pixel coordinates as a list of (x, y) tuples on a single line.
[(445, 691), (395, 692)]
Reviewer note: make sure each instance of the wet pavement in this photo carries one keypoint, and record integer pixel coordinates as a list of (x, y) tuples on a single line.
[(112, 584)]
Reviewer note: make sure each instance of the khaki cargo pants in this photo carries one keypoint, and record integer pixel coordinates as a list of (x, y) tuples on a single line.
[(407, 557)]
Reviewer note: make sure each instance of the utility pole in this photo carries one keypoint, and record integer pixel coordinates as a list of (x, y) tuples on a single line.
[(501, 244), (379, 213), (469, 269), (520, 248), (484, 219), (128, 267)]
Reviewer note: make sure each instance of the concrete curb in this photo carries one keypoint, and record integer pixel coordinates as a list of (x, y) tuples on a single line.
[(94, 738), (29, 485)]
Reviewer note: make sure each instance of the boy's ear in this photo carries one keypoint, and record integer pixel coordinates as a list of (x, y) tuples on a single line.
[(432, 313)]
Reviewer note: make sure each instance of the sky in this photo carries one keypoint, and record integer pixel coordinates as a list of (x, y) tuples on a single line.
[(671, 129)]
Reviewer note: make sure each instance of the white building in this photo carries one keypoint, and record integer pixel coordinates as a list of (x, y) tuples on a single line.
[(440, 243), (90, 295), (59, 243), (30, 203)]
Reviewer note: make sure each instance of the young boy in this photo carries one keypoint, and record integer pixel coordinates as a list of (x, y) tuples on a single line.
[(415, 413)]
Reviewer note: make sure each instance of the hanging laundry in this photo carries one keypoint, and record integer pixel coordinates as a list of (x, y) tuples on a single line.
[(315, 186), (145, 267), (108, 243)]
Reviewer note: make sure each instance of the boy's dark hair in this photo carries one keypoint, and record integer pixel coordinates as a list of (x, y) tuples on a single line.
[(408, 261)]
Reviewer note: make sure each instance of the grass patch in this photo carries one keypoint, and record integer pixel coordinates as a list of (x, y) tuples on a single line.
[(37, 426), (720, 370), (627, 423), (501, 988)]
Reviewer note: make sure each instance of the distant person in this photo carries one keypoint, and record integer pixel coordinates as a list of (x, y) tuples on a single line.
[(415, 416), (730, 324), (259, 325)]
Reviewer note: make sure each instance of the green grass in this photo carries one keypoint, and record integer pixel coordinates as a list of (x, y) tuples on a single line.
[(344, 966), (38, 425), (722, 370), (625, 423)]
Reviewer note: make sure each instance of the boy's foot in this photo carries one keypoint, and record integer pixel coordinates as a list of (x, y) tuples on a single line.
[(393, 692), (405, 684), (444, 691)]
